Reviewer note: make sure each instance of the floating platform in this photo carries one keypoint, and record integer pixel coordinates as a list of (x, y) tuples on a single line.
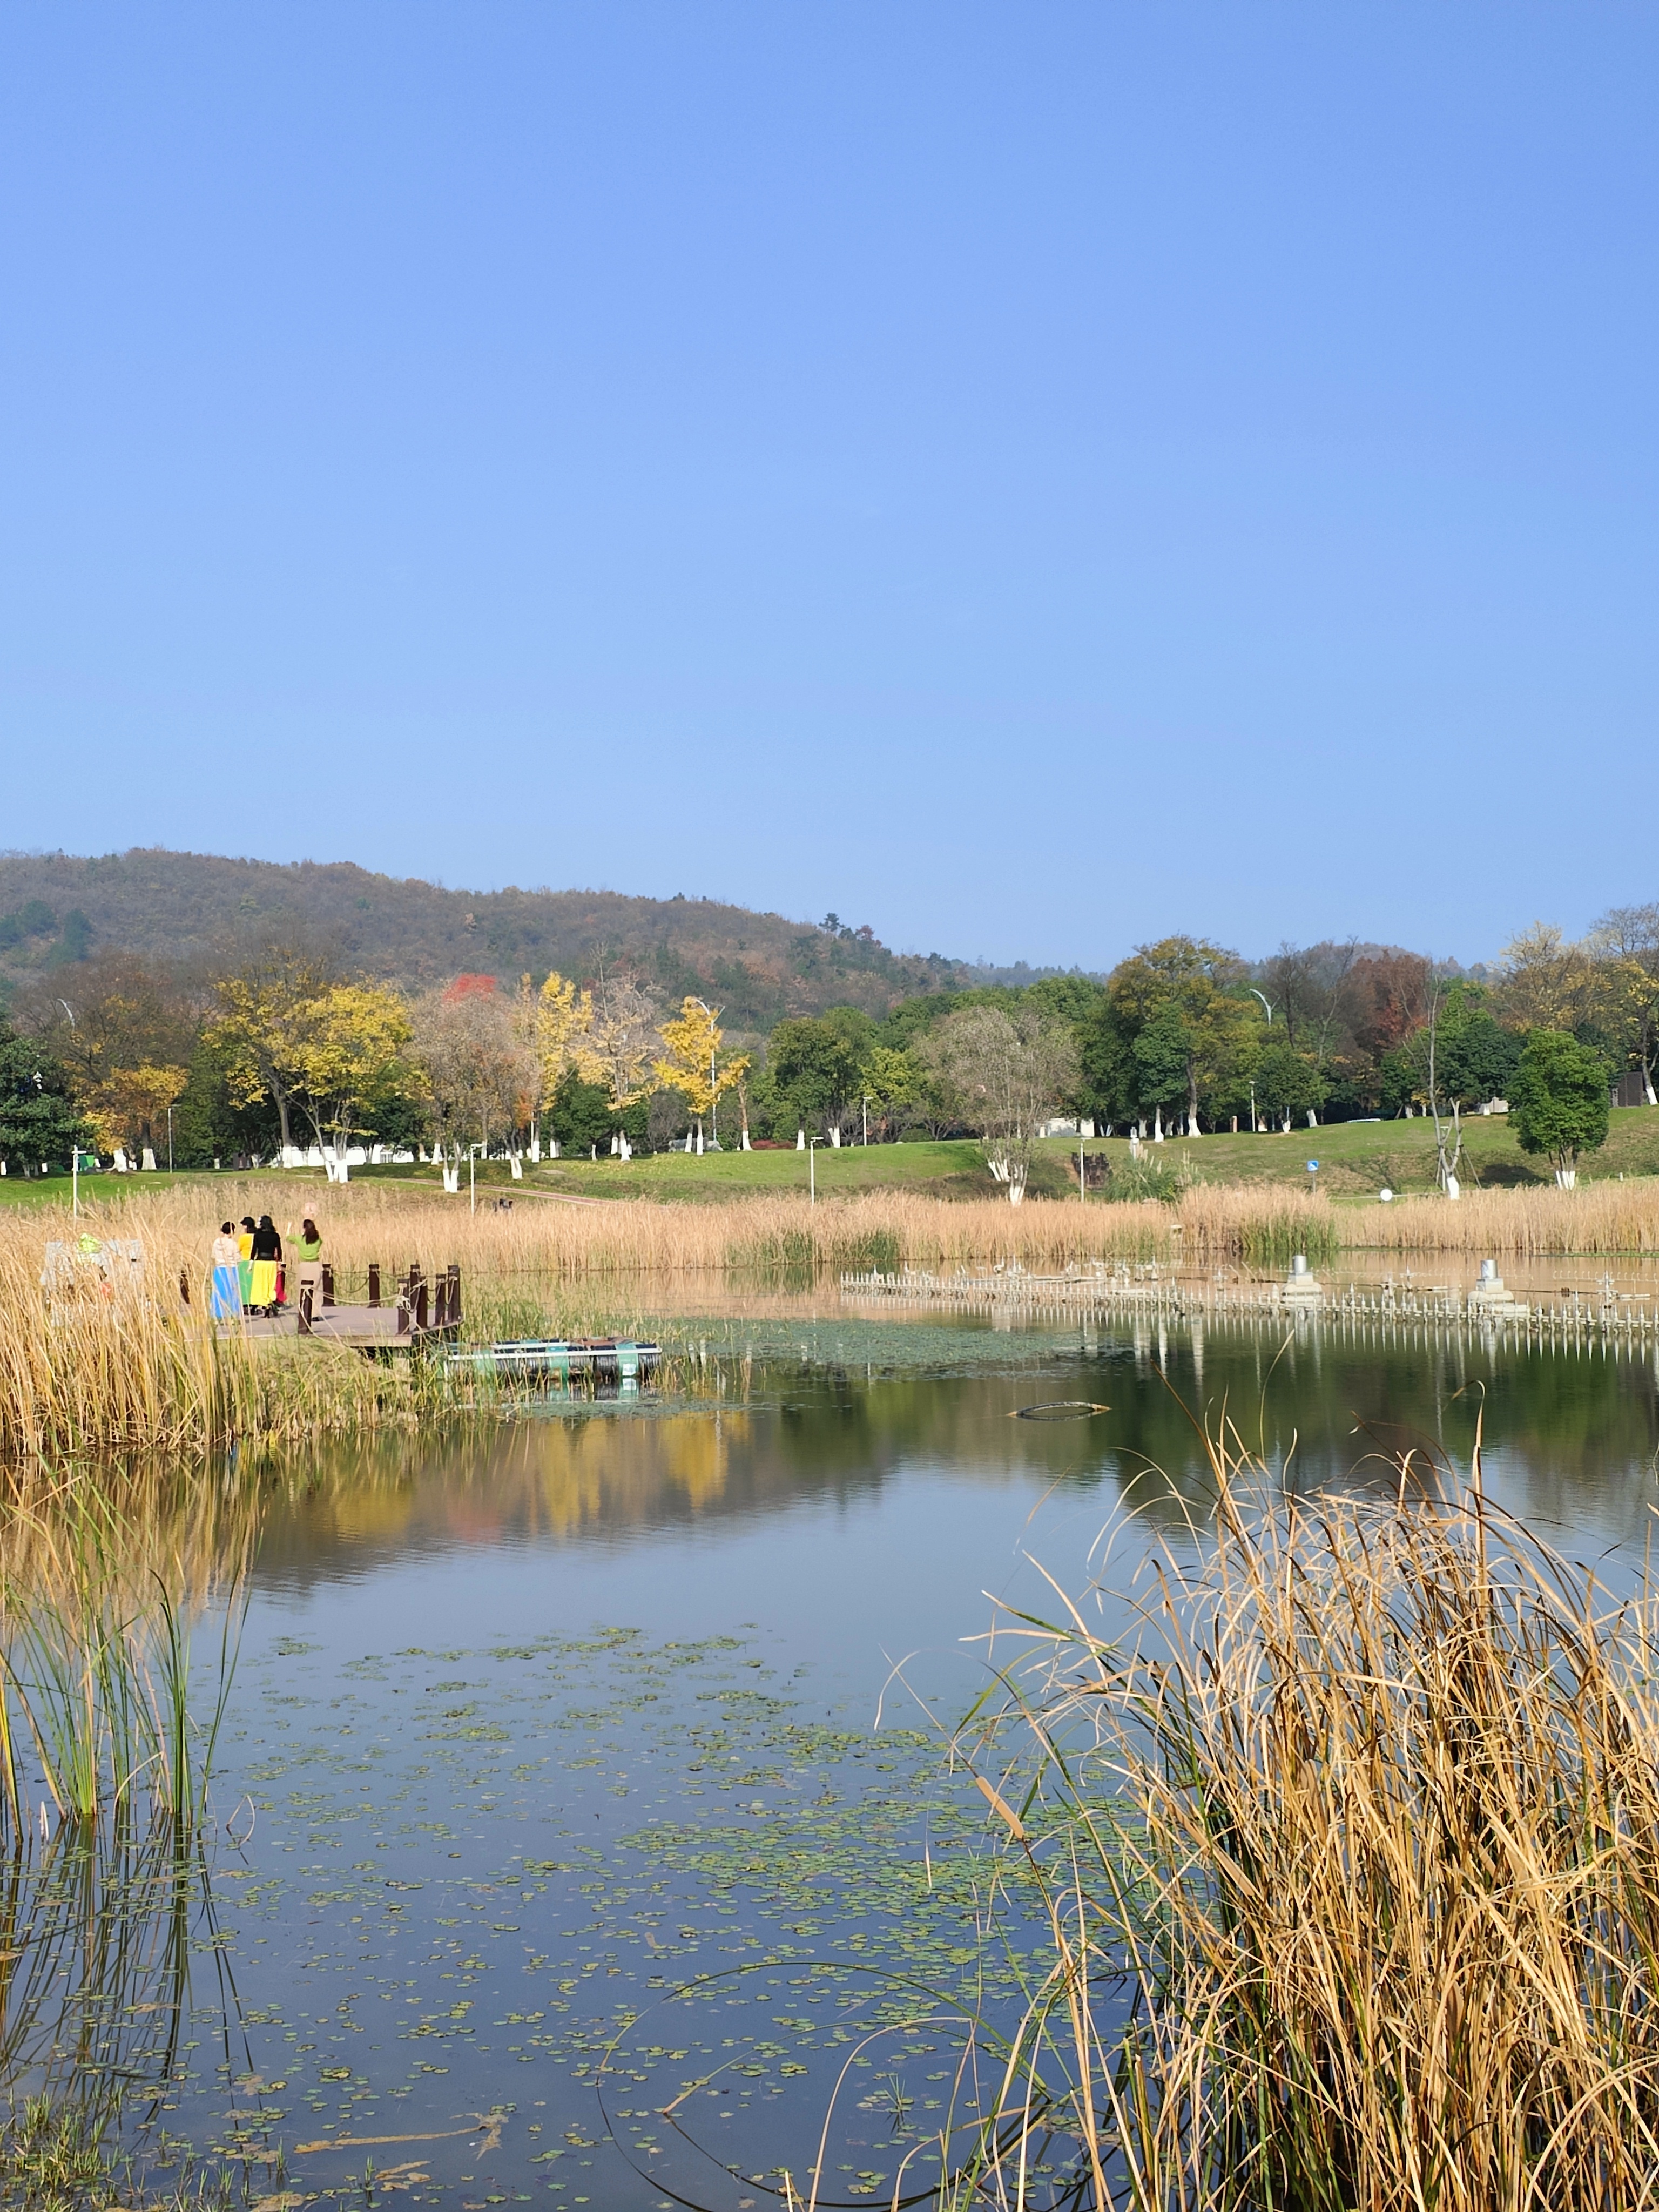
[(606, 1358)]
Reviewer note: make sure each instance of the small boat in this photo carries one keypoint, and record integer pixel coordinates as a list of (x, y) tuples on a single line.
[(608, 1358)]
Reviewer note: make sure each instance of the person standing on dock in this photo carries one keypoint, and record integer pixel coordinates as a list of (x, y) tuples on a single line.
[(225, 1299), (309, 1253), (266, 1293)]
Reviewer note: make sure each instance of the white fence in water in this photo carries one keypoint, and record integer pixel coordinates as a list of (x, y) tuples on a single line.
[(1608, 1314)]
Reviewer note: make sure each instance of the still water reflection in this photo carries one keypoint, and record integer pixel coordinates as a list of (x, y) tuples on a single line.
[(558, 1746)]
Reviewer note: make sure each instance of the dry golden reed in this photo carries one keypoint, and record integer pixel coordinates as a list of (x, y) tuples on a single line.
[(1350, 1846)]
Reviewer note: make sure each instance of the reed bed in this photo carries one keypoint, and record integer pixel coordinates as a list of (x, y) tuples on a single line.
[(1351, 1851), (96, 1677), (1602, 1219), (93, 1374)]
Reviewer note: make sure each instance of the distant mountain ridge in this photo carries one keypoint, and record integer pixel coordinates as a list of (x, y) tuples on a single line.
[(185, 909)]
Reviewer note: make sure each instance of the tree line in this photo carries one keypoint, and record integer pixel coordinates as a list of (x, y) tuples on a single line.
[(278, 1047)]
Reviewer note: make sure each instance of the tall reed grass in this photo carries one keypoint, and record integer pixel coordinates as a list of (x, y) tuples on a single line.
[(96, 1679), (1351, 1851)]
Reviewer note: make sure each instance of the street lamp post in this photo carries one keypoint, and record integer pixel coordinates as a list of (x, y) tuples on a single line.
[(1255, 1126), (75, 1149)]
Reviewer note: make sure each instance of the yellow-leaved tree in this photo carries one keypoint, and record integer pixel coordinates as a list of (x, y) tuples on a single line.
[(128, 1106), (348, 1053), (693, 1064), (264, 1015), (622, 1040), (563, 1017)]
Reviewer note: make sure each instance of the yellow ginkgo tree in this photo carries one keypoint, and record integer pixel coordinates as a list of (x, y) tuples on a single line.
[(563, 1017), (349, 1053), (693, 1066)]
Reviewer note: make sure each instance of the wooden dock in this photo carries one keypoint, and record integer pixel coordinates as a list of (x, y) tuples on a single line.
[(420, 1313)]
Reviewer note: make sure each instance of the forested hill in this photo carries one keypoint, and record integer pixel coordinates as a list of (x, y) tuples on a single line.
[(184, 908)]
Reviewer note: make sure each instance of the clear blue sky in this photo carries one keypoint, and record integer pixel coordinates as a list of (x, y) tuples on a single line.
[(1030, 478)]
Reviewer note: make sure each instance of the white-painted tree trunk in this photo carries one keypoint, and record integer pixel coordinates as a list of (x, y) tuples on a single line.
[(148, 1164), (801, 1141), (1567, 1178), (1454, 1188), (1285, 1127), (1158, 1125), (834, 1135), (624, 1150), (516, 1164), (746, 1145), (1312, 1119)]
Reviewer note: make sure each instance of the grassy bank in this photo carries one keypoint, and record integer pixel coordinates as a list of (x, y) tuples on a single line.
[(1353, 1866), (1356, 1159)]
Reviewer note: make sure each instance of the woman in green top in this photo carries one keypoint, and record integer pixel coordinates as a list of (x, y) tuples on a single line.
[(308, 1250)]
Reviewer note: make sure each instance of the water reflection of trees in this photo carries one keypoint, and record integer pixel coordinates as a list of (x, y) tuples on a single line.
[(1572, 1435)]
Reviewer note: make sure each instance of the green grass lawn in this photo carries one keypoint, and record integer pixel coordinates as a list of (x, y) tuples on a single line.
[(55, 1190), (1359, 1157), (1356, 1159), (955, 1170)]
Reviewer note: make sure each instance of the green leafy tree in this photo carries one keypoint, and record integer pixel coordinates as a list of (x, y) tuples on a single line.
[(39, 1124), (1160, 1058), (816, 1067), (892, 1080), (582, 1115), (1187, 998), (1559, 1101), (1288, 1082)]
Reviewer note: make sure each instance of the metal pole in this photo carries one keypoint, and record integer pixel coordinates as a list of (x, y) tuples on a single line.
[(1082, 1181), (813, 1168), (169, 1140), (74, 1178)]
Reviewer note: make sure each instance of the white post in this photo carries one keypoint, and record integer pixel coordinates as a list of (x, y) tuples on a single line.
[(801, 1141), (74, 1180), (472, 1176)]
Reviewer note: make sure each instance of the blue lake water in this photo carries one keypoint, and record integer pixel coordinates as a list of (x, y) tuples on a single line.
[(583, 1826)]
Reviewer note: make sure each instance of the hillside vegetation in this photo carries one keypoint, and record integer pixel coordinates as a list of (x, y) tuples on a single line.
[(176, 907)]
